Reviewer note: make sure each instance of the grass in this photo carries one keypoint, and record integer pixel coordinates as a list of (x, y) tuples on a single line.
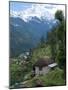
[(53, 78), (40, 52)]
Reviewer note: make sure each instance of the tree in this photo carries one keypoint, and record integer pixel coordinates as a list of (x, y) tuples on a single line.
[(42, 42), (61, 36), (52, 41), (59, 15), (61, 39), (56, 39)]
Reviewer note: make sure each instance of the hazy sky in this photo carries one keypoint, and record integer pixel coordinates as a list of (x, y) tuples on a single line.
[(25, 10), (16, 6)]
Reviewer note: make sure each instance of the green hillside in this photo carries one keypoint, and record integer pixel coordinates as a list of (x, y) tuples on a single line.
[(40, 53), (23, 75), (53, 78)]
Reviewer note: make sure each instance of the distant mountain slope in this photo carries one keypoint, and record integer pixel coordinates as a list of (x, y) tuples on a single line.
[(26, 35)]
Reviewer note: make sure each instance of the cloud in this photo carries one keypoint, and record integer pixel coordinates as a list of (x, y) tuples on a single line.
[(58, 7), (38, 10)]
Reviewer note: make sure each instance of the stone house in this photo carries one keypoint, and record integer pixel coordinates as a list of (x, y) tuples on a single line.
[(43, 66)]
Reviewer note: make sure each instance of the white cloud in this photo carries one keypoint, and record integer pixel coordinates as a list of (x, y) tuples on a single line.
[(14, 13), (38, 10), (58, 7)]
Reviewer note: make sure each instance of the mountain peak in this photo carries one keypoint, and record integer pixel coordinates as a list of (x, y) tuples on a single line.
[(41, 11), (37, 11)]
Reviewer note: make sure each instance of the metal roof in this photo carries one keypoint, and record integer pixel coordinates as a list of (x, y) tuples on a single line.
[(43, 62), (52, 65)]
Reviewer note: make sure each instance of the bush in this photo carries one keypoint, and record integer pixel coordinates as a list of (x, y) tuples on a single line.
[(53, 78)]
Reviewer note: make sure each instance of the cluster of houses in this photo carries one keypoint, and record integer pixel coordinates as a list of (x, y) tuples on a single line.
[(21, 58), (24, 55)]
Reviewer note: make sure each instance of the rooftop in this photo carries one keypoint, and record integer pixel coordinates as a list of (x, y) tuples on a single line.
[(52, 65), (43, 62)]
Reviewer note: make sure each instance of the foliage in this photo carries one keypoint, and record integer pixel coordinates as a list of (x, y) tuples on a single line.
[(53, 78), (59, 15), (56, 39), (52, 41), (61, 54), (18, 71), (40, 53), (42, 42)]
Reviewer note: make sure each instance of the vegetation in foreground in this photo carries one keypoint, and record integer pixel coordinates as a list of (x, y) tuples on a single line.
[(53, 78)]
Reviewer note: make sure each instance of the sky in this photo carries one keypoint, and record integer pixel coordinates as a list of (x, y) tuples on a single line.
[(17, 6), (27, 10)]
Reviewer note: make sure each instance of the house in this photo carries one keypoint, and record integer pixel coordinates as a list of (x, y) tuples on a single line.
[(27, 53), (43, 66), (24, 55)]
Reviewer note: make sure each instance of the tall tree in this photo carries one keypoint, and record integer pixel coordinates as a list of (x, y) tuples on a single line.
[(57, 42), (42, 42), (61, 35), (52, 41), (61, 39)]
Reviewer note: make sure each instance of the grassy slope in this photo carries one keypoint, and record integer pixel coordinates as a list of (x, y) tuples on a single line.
[(40, 53), (53, 78)]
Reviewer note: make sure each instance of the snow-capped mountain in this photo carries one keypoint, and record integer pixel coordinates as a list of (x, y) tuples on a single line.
[(38, 11), (26, 35), (41, 11)]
